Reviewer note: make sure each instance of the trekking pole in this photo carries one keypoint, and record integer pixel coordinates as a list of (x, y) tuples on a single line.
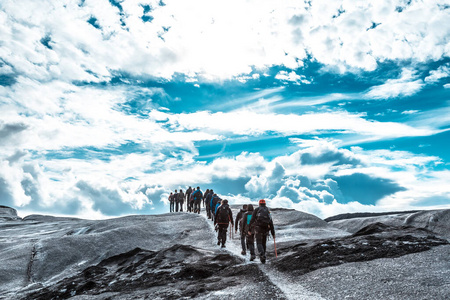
[(275, 245)]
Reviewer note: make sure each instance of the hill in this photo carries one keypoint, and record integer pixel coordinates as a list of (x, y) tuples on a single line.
[(175, 255)]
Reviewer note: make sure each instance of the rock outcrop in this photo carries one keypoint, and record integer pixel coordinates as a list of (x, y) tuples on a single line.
[(8, 213)]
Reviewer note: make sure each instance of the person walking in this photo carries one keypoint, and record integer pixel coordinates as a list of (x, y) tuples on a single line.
[(188, 197), (208, 203), (181, 199), (175, 197), (223, 218), (198, 196), (172, 202), (262, 220), (214, 200), (247, 232), (237, 224)]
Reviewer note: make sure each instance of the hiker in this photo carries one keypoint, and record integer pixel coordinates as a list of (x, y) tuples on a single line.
[(262, 220), (248, 233), (218, 202), (222, 219), (204, 196), (208, 203), (214, 200), (198, 196), (237, 224), (172, 202), (175, 197), (188, 197), (181, 199), (191, 202)]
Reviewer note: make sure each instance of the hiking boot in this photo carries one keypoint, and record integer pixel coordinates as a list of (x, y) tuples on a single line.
[(243, 252), (223, 246), (262, 259), (218, 243), (252, 258)]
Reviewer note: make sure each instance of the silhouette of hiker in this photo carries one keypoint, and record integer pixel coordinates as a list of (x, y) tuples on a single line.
[(247, 232), (172, 202), (181, 199), (223, 218), (237, 224), (262, 220)]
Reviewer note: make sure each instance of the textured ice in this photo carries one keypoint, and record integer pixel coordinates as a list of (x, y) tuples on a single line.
[(44, 256)]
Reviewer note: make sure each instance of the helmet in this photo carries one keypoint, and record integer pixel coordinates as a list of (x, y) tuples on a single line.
[(262, 201)]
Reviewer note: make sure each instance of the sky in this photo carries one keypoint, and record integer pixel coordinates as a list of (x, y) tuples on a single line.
[(327, 106)]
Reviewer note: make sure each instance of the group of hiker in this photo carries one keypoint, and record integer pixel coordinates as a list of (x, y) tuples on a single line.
[(252, 223), (193, 197)]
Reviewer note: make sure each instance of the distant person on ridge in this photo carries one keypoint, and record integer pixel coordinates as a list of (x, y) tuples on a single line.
[(208, 203), (204, 196), (237, 224), (198, 196), (175, 197), (223, 218), (172, 202), (262, 220), (181, 199), (214, 200), (247, 232), (188, 197)]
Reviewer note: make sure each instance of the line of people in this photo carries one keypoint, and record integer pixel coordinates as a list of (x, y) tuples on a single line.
[(251, 223), (192, 197)]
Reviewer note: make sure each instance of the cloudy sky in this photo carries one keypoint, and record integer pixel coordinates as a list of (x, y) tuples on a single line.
[(323, 106)]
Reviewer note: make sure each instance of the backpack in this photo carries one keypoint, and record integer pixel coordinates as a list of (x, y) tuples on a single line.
[(198, 195), (247, 217), (263, 216), (222, 214)]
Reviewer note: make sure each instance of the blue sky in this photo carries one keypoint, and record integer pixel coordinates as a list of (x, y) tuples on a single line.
[(323, 106)]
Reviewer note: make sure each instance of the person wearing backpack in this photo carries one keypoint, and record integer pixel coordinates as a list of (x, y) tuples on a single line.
[(223, 218), (208, 203), (188, 197), (262, 220), (237, 224), (181, 199), (198, 196), (172, 202), (247, 232), (214, 200)]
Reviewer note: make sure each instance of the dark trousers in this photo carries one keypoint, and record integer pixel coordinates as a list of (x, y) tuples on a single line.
[(172, 206), (222, 237), (250, 243), (243, 242), (197, 205), (261, 239), (176, 207), (181, 206), (208, 211)]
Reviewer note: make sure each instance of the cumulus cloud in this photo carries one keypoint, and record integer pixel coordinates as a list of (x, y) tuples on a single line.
[(89, 40)]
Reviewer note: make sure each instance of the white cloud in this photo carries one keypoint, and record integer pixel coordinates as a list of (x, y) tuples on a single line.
[(406, 85), (199, 38), (292, 77), (436, 75), (244, 122)]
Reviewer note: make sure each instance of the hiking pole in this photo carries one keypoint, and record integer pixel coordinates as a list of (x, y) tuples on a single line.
[(275, 246)]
